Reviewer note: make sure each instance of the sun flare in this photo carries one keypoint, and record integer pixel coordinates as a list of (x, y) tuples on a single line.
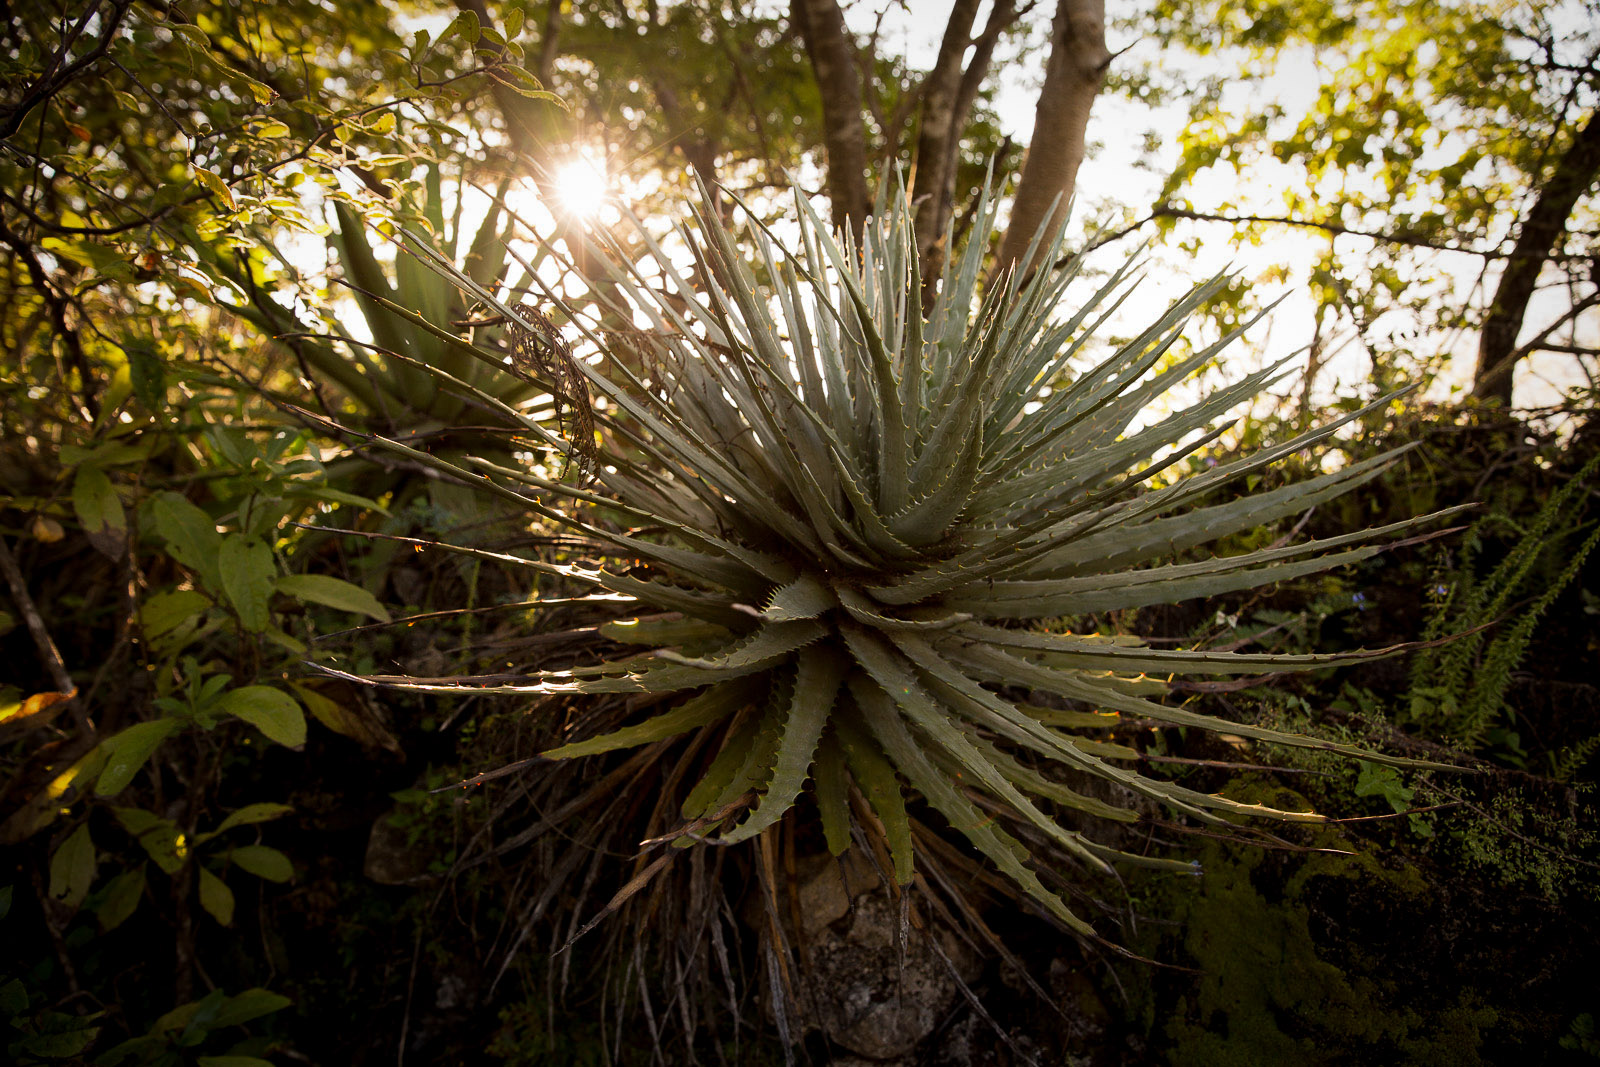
[(581, 188)]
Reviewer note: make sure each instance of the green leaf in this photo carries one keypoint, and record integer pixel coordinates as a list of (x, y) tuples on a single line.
[(1007, 853), (464, 25), (272, 711), (876, 777), (251, 814), (331, 495), (525, 84), (803, 598), (121, 899), (831, 788), (817, 679), (213, 181), (714, 705), (660, 633), (99, 511), (1378, 780), (249, 1005), (263, 862), (191, 535), (727, 764), (247, 569), (264, 94), (161, 613), (72, 868), (334, 593), (64, 1036), (216, 897), (148, 372), (762, 646), (197, 1014), (157, 836), (191, 33), (13, 998), (351, 718), (128, 750)]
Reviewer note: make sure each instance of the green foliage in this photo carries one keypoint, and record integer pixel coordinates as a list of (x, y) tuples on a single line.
[(1428, 133), (1583, 1037), (725, 84), (1273, 988), (1521, 843), (156, 153), (216, 619), (1459, 690), (1376, 780), (36, 1035), (191, 1025)]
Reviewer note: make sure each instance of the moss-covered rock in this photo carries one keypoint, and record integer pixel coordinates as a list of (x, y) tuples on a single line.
[(1328, 957)]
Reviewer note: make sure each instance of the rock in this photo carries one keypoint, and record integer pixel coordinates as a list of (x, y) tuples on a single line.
[(824, 899), (391, 859), (866, 992)]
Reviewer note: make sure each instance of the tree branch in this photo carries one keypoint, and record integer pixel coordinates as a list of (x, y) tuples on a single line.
[(1168, 211), (57, 304), (1537, 343), (1073, 77), (41, 637), (52, 80), (1537, 237)]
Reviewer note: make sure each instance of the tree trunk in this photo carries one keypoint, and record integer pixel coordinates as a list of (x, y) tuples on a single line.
[(947, 96), (832, 53), (937, 126), (699, 152), (1539, 235), (1076, 70), (549, 43)]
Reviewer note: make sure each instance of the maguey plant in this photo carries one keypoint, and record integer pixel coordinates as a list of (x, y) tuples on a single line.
[(864, 541)]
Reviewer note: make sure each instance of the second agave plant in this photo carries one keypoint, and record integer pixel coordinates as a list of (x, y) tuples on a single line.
[(858, 537)]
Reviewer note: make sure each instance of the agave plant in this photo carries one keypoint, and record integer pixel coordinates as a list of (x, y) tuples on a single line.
[(865, 540), (406, 374)]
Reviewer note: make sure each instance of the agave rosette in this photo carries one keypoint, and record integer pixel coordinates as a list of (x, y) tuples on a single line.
[(863, 525)]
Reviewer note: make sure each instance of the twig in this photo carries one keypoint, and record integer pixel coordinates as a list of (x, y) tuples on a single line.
[(486, 776), (57, 303), (52, 80), (1398, 814), (41, 636), (1230, 764), (1167, 211)]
